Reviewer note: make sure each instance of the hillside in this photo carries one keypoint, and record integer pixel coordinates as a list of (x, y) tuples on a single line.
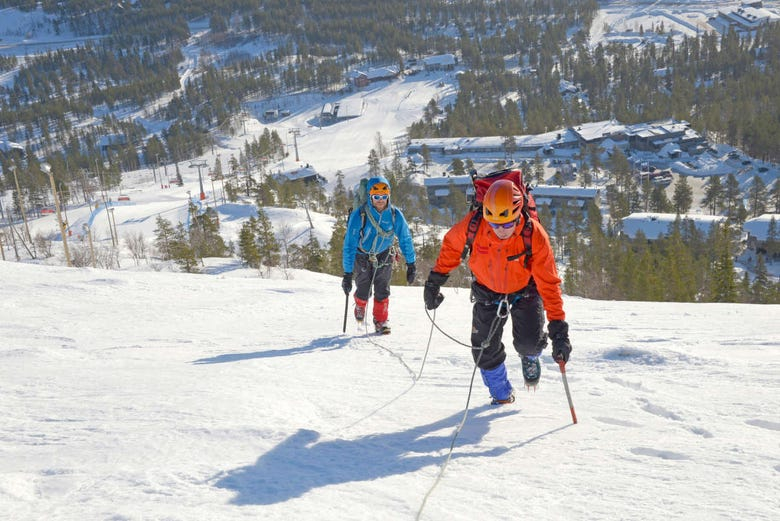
[(170, 396)]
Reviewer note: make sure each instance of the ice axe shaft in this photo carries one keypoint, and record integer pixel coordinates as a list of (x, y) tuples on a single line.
[(562, 365), (346, 309)]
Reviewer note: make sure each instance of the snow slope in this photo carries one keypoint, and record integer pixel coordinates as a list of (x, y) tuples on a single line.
[(142, 395)]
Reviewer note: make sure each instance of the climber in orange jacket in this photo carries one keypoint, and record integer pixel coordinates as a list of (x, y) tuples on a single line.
[(506, 284)]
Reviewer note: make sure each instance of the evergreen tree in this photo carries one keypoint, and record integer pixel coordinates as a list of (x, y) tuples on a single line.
[(772, 244), (314, 258), (267, 245), (538, 170), (677, 267), (336, 245), (373, 164), (757, 197), (658, 200), (713, 195), (683, 195), (457, 204), (571, 276), (247, 244), (774, 197), (731, 197), (182, 251), (204, 234), (743, 288), (723, 284), (761, 290), (458, 167), (340, 202), (164, 237)]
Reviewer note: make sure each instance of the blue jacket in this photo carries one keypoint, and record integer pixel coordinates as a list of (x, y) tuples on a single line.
[(368, 240)]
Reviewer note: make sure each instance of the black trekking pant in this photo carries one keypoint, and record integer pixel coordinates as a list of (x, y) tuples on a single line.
[(380, 272), (527, 313)]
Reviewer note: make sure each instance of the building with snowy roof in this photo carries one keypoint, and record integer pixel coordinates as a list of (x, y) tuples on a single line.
[(657, 225), (554, 197), (9, 148), (365, 78), (758, 229), (306, 173), (746, 18), (643, 136), (440, 62), (344, 109)]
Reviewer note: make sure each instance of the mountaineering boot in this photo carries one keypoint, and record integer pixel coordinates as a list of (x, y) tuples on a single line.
[(532, 370), (507, 401), (360, 309), (383, 328), (498, 384), (381, 323)]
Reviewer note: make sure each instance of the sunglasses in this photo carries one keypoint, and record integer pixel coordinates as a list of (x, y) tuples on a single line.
[(505, 226), (378, 197)]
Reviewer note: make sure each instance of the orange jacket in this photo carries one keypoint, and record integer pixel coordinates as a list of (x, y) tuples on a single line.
[(490, 265)]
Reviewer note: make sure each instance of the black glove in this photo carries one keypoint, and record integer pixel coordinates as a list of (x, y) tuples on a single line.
[(346, 283), (559, 334), (431, 293), (411, 271)]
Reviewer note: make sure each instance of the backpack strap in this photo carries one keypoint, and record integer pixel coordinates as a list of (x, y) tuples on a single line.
[(380, 232), (527, 232), (471, 232)]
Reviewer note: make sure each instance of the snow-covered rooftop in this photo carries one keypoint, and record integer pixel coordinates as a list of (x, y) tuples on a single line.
[(758, 227), (653, 225)]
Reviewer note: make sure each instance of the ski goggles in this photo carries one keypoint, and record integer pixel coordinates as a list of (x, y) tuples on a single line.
[(379, 197), (505, 226)]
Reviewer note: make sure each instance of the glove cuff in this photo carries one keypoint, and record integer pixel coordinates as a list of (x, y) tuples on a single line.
[(558, 328), (437, 278)]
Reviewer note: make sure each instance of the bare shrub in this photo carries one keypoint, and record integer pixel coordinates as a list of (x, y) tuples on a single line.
[(137, 246), (42, 245)]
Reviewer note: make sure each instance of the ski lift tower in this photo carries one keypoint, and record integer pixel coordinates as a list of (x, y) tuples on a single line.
[(295, 132), (200, 164)]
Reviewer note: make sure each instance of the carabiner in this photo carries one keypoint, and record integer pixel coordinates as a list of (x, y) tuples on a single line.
[(502, 311)]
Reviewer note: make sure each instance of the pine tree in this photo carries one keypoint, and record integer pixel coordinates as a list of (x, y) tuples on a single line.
[(774, 197), (713, 195), (658, 200), (336, 245), (456, 202), (683, 195), (204, 234), (772, 244), (571, 277), (757, 197), (677, 268), (761, 289), (340, 201), (164, 236), (723, 284), (182, 252), (247, 244), (731, 196), (314, 256), (538, 170), (373, 163), (267, 245)]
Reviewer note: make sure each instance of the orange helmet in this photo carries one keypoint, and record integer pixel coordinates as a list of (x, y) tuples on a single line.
[(379, 188), (502, 202)]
